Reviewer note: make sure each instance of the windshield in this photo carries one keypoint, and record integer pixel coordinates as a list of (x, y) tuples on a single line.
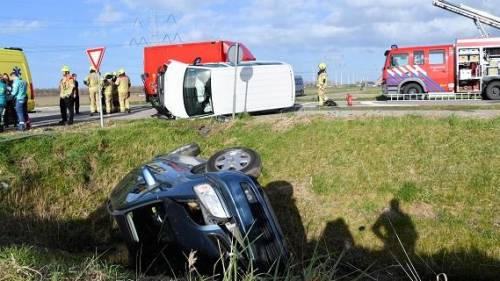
[(198, 92)]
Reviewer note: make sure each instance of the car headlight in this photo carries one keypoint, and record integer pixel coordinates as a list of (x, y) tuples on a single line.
[(210, 200)]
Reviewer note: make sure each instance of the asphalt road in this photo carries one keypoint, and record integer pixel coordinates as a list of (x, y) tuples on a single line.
[(50, 116)]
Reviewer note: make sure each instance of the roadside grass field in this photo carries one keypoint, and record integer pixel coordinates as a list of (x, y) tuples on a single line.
[(330, 181), (339, 93)]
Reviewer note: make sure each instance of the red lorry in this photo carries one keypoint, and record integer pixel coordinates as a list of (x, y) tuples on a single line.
[(470, 67), (155, 57)]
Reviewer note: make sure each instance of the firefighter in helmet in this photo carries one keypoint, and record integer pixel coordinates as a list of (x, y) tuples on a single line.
[(67, 99), (123, 84), (322, 82), (92, 82), (108, 86), (115, 100)]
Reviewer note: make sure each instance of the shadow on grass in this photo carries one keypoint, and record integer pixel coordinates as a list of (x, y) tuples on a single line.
[(394, 228), (87, 234), (389, 263)]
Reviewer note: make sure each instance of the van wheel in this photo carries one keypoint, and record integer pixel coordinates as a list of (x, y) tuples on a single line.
[(412, 90), (239, 159), (493, 91)]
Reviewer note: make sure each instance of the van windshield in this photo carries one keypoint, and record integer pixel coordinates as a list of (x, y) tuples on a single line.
[(198, 92)]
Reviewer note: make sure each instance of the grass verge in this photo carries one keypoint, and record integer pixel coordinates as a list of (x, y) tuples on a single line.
[(330, 181)]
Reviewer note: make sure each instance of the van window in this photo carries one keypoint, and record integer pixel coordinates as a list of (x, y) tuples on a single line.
[(198, 92), (399, 60), (436, 57), (418, 58)]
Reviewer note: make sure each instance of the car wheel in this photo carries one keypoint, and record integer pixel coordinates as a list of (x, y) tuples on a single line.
[(493, 91), (411, 90), (240, 159)]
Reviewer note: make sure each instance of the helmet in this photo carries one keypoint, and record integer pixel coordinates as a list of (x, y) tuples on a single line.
[(121, 71), (65, 69), (322, 66), (107, 74)]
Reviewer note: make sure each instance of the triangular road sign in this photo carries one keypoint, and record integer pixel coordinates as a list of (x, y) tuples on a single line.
[(95, 56)]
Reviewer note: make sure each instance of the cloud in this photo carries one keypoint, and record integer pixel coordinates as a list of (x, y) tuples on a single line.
[(109, 15), (169, 5), (20, 26)]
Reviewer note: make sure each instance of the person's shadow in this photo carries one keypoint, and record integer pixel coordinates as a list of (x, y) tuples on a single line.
[(337, 237), (397, 231), (280, 193)]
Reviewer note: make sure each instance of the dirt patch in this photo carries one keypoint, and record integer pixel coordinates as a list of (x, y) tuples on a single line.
[(422, 210)]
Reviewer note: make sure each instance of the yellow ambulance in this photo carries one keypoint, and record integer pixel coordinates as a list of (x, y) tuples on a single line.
[(13, 59)]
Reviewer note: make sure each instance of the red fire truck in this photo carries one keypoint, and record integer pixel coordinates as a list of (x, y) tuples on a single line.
[(468, 68), (155, 57)]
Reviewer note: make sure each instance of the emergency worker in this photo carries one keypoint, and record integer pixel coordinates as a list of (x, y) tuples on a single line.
[(92, 82), (20, 96), (3, 102), (115, 99), (66, 94), (76, 94), (108, 91), (322, 83), (123, 85)]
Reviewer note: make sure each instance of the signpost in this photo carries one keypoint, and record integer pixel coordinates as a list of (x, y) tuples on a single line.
[(96, 55), (235, 55)]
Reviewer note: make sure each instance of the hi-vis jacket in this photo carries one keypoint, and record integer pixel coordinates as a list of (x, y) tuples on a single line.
[(66, 86)]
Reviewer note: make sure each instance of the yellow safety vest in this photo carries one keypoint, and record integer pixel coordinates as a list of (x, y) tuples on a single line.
[(322, 80), (92, 80), (123, 84), (66, 86)]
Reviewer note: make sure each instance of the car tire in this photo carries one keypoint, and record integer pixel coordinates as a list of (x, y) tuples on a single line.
[(240, 159), (411, 90), (493, 91)]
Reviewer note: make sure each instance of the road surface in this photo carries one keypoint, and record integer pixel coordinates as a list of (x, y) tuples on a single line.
[(50, 116)]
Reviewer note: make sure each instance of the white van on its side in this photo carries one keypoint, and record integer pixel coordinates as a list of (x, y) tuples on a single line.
[(189, 91)]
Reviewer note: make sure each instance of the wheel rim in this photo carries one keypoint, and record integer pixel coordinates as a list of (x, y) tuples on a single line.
[(413, 91), (233, 160)]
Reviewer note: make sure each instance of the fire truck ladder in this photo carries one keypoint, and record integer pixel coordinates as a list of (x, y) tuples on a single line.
[(479, 17)]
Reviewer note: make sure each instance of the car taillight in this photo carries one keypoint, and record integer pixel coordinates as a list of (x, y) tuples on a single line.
[(32, 91)]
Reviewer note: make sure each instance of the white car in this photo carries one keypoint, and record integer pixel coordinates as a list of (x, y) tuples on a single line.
[(188, 91)]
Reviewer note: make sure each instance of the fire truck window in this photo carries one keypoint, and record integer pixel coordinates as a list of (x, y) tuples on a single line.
[(436, 57), (399, 60), (418, 58)]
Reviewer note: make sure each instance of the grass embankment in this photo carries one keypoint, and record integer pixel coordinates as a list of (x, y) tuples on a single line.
[(339, 93), (329, 180)]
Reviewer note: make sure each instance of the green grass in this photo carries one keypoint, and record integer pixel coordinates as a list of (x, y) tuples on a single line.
[(329, 181), (339, 93)]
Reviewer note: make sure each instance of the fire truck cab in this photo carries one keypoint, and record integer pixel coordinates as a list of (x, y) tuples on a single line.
[(470, 68)]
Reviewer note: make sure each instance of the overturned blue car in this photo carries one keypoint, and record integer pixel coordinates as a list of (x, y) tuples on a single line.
[(179, 204)]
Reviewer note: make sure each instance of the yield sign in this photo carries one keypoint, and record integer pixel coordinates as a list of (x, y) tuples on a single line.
[(95, 56)]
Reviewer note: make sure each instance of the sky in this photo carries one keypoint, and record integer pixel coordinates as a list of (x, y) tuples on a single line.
[(349, 35)]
